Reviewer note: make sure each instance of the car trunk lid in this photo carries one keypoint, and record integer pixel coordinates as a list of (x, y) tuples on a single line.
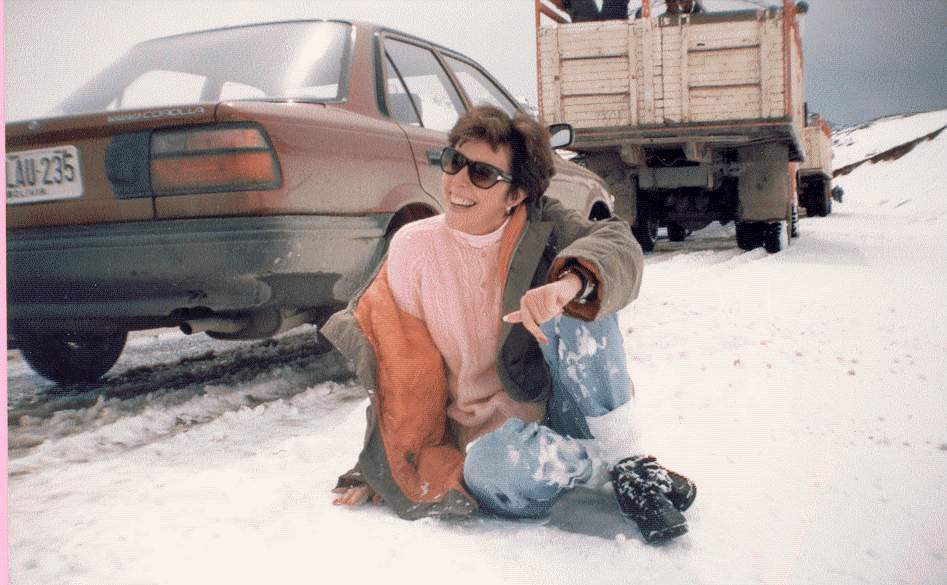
[(85, 169)]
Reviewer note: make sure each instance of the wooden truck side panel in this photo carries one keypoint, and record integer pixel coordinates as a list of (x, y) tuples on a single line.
[(818, 152), (672, 71)]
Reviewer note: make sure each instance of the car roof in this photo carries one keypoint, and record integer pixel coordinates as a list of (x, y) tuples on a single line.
[(246, 25), (359, 24)]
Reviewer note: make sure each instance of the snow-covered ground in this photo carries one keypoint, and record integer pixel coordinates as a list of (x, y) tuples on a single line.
[(805, 392), (858, 143)]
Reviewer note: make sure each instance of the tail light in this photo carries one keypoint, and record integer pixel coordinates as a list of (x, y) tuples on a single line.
[(213, 159)]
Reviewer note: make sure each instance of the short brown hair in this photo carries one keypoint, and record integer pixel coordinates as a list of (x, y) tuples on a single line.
[(532, 164)]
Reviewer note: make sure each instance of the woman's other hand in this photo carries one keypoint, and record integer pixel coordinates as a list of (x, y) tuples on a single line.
[(355, 496), (543, 303)]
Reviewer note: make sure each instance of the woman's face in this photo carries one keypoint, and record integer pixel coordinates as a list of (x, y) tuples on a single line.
[(469, 208)]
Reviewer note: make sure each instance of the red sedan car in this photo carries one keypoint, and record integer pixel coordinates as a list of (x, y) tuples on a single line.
[(238, 181)]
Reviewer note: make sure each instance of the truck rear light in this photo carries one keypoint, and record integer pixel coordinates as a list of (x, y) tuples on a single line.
[(213, 159)]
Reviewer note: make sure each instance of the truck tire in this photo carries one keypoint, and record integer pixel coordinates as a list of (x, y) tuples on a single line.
[(645, 234), (794, 221), (748, 235), (821, 202), (676, 232), (70, 357), (815, 196), (646, 228), (774, 237)]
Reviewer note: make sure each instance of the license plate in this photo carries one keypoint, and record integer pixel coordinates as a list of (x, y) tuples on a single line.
[(48, 174)]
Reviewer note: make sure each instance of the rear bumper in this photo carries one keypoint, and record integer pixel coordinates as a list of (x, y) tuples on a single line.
[(158, 269)]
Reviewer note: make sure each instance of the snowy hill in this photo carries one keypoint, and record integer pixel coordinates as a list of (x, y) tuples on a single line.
[(913, 186), (855, 144), (805, 392)]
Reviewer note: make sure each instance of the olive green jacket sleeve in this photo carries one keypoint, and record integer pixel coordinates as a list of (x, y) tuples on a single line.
[(607, 248)]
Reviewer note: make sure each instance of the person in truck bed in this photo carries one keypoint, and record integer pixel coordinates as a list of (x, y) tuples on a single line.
[(683, 7), (491, 348), (676, 7), (587, 10)]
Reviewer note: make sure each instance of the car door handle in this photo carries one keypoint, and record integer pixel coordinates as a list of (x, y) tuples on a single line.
[(434, 156)]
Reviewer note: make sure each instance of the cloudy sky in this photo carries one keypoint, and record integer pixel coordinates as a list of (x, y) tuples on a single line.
[(864, 58), (868, 58)]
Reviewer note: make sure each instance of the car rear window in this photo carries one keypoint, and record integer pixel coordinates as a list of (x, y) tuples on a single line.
[(304, 61)]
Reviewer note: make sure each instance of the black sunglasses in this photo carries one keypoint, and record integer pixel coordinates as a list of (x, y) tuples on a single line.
[(481, 174)]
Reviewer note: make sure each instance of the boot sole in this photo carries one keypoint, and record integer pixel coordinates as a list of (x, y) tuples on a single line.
[(685, 501), (665, 535)]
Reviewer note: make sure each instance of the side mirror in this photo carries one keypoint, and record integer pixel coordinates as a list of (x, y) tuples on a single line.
[(561, 135)]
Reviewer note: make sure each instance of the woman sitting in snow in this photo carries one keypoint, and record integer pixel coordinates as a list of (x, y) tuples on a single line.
[(469, 410)]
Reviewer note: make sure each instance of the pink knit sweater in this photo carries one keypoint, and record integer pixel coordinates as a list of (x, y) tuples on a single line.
[(449, 280)]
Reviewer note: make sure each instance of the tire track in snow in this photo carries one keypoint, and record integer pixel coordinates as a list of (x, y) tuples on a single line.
[(163, 398)]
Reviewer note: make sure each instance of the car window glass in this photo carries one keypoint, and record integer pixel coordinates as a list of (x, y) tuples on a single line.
[(306, 61), (156, 88), (401, 106), (437, 99), (317, 92), (478, 86), (234, 90)]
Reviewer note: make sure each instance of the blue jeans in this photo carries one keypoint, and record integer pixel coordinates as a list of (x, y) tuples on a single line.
[(520, 469)]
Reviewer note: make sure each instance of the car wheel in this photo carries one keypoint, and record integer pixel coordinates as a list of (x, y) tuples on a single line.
[(676, 232), (71, 357)]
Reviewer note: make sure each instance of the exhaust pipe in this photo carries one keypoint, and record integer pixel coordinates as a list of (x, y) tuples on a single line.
[(253, 326), (214, 324)]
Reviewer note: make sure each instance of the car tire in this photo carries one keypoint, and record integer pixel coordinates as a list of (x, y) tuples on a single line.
[(71, 357)]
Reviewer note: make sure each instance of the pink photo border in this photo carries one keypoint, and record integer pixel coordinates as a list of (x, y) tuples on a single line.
[(4, 541)]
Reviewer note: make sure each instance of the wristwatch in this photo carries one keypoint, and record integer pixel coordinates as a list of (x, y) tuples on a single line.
[(587, 292)]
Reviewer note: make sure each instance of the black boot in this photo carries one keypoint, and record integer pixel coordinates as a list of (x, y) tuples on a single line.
[(683, 491), (642, 487), (680, 490)]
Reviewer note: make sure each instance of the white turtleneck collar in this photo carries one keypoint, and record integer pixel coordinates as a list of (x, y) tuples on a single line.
[(480, 241)]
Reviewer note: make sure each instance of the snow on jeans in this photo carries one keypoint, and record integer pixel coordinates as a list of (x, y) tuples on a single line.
[(520, 469)]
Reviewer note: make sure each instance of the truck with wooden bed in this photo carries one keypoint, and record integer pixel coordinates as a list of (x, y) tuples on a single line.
[(689, 118), (815, 173)]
